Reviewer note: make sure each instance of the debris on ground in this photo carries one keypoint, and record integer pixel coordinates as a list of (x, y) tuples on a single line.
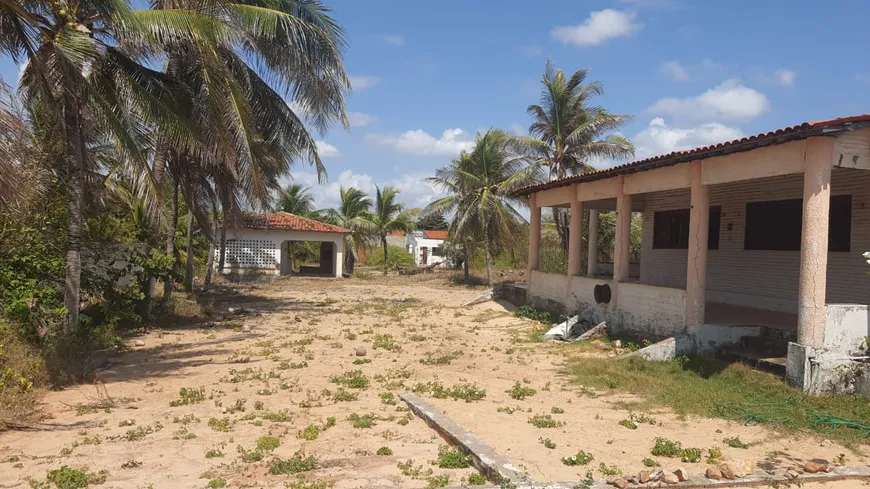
[(598, 331), (564, 330), (237, 310), (486, 296)]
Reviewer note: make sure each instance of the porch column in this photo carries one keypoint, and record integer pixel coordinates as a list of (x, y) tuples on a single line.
[(338, 248), (575, 234), (592, 261), (696, 269), (812, 312), (534, 235), (623, 241)]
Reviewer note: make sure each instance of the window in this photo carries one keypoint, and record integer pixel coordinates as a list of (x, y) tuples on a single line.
[(437, 251), (776, 225), (671, 229)]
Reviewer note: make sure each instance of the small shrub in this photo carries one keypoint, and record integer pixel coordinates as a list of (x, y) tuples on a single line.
[(648, 462), (666, 448), (139, 433), (628, 424), (436, 481), (342, 395), (385, 342), (361, 361), (310, 432), (714, 456), (417, 337), (530, 312), (446, 359), (294, 465), (520, 392), (282, 416), (330, 422), (364, 421), (735, 442), (557, 410), (545, 421), (268, 443), (476, 480), (691, 455), (249, 456), (213, 453), (384, 451), (69, 478), (215, 483), (354, 379), (580, 458), (642, 418), (388, 398), (189, 395), (224, 424), (609, 470), (452, 458), (131, 464), (547, 443)]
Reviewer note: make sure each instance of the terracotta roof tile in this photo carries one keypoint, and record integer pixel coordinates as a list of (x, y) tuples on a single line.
[(290, 222), (435, 234), (791, 133), (398, 234)]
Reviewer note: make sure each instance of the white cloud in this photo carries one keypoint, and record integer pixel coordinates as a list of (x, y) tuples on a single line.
[(599, 27), (362, 82), (658, 138), (326, 150), (675, 70), (394, 40), (784, 77), (730, 101), (358, 119), (419, 142), (414, 190)]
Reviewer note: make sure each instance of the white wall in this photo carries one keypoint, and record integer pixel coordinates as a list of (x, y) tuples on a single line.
[(265, 248), (417, 244)]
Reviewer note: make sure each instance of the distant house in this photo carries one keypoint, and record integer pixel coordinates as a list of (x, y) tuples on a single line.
[(426, 247), (262, 243)]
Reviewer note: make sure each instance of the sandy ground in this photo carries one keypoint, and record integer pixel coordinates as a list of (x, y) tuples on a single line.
[(269, 373)]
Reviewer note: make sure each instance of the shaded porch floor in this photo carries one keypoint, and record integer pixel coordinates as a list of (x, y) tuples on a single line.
[(732, 315)]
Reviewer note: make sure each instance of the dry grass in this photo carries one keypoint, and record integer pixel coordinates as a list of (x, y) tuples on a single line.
[(22, 376)]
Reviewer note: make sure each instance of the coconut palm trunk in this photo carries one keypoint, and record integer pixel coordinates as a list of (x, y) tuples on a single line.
[(486, 246), (170, 238), (386, 258), (465, 265), (188, 277), (223, 254), (209, 269), (76, 163)]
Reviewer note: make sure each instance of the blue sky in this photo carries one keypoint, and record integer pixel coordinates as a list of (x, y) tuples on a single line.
[(428, 75)]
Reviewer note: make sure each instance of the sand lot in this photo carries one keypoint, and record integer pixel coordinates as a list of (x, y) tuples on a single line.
[(288, 369)]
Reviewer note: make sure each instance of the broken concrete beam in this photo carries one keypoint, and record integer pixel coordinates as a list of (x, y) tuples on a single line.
[(486, 296), (595, 332), (658, 352), (490, 463), (562, 331)]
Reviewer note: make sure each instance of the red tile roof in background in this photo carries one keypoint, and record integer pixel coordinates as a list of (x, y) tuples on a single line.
[(792, 133), (436, 234), (398, 234), (290, 222)]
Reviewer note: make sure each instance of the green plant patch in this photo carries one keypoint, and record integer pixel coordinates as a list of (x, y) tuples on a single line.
[(520, 392), (70, 478), (666, 448), (310, 432), (268, 443), (384, 451), (452, 458), (353, 379), (294, 465), (545, 421), (580, 458), (189, 395)]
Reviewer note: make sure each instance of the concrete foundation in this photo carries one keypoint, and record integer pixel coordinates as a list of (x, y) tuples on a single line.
[(819, 371)]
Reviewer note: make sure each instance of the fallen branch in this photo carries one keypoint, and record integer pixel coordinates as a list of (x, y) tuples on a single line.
[(486, 296)]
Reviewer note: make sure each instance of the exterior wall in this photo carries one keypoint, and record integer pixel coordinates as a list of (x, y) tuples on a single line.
[(847, 326), (416, 245), (650, 310), (267, 245), (762, 279), (582, 289), (547, 290)]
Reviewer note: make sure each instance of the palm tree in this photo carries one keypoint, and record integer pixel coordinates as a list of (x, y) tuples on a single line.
[(296, 199), (84, 81), (351, 214), (568, 134), (389, 216), (480, 186)]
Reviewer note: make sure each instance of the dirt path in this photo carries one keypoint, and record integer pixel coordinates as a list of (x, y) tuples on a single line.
[(283, 371)]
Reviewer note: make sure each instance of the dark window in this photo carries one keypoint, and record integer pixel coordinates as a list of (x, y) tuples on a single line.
[(776, 225), (671, 229), (436, 251)]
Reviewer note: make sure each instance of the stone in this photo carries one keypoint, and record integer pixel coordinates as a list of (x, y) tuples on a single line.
[(138, 343), (246, 329), (713, 473), (617, 343), (670, 478), (742, 468), (298, 319), (727, 470), (643, 476), (656, 474), (361, 351), (681, 474), (813, 467), (825, 443), (620, 483), (792, 474)]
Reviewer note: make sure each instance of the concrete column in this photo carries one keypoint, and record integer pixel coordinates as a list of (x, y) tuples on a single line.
[(338, 247), (575, 237), (812, 312), (534, 235), (696, 269), (592, 259), (623, 241)]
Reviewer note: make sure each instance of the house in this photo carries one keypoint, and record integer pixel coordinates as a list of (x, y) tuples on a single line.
[(426, 247), (756, 241), (261, 245)]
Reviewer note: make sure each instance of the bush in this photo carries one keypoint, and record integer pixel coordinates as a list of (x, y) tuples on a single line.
[(21, 371), (396, 255)]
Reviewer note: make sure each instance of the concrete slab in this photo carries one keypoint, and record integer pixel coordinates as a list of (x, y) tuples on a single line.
[(490, 463)]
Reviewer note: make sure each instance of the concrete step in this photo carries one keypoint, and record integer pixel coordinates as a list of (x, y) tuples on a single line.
[(779, 333), (772, 364)]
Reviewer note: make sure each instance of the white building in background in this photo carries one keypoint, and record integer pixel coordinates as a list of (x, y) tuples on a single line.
[(426, 247)]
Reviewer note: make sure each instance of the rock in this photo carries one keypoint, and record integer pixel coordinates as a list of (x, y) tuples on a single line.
[(209, 324), (361, 351), (297, 319), (246, 329), (681, 474), (643, 476), (670, 479), (813, 467), (617, 343), (792, 474), (727, 470), (620, 483), (138, 343), (825, 443), (742, 468), (713, 473), (656, 474)]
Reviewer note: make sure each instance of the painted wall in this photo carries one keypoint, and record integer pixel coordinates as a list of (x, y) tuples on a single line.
[(260, 250), (582, 290), (657, 312), (763, 279), (846, 328), (416, 245)]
